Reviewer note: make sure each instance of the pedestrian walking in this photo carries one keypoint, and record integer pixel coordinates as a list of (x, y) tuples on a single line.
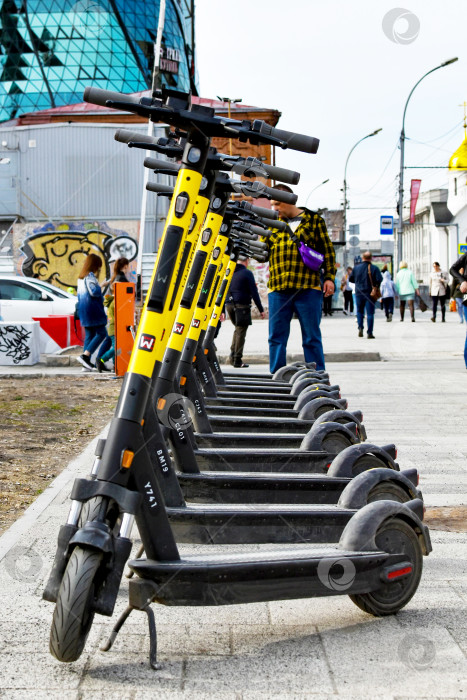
[(91, 311), (367, 277), (388, 292), (461, 277), (407, 288), (439, 282), (242, 291), (347, 288), (294, 287)]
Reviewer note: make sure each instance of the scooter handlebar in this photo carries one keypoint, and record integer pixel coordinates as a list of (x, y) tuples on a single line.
[(126, 136), (100, 97), (263, 212), (279, 225), (158, 164), (298, 142), (158, 188), (290, 177), (281, 195)]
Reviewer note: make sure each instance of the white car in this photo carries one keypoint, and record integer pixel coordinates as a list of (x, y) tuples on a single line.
[(25, 298)]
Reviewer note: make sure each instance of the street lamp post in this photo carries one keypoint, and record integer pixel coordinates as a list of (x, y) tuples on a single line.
[(345, 179), (400, 226), (315, 188)]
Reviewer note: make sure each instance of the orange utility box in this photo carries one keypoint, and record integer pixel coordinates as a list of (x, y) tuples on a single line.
[(124, 305)]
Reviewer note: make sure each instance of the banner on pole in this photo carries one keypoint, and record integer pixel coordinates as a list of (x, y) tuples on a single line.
[(414, 191)]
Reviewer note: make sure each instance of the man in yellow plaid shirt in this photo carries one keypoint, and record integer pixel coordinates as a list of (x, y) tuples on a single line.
[(294, 288)]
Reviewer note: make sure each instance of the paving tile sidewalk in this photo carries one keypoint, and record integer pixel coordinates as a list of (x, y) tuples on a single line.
[(324, 648)]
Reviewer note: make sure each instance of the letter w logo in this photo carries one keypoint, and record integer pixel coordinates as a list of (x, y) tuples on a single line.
[(147, 342)]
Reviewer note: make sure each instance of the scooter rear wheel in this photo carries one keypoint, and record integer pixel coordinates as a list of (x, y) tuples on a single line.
[(395, 536), (366, 462), (388, 491), (335, 442), (74, 610)]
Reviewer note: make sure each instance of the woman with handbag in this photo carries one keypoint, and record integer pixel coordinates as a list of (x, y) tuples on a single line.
[(407, 288), (242, 290), (439, 286)]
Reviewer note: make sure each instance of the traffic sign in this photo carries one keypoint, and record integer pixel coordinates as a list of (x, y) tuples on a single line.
[(354, 240), (387, 225), (462, 248)]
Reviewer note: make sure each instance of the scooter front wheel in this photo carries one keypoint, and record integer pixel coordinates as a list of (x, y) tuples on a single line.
[(74, 610), (395, 536)]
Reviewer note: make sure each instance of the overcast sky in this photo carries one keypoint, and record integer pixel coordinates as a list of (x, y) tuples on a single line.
[(330, 67)]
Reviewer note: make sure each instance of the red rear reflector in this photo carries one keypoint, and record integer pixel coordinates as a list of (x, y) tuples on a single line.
[(395, 457), (399, 572), (418, 478), (328, 465)]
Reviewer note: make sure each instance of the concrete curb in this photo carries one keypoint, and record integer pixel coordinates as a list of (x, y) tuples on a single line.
[(11, 536), (329, 357)]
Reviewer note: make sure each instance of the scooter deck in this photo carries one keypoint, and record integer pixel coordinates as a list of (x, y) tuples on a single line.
[(251, 424), (245, 394), (259, 411), (249, 577), (250, 440), (283, 460), (274, 487)]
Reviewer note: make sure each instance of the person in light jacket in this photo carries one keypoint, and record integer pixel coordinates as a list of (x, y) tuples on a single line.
[(388, 292), (407, 288), (439, 281), (91, 311)]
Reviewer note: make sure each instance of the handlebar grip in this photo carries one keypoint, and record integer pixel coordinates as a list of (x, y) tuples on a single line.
[(125, 136), (290, 177), (263, 212), (281, 195), (159, 189), (257, 229), (258, 245), (279, 225), (99, 97), (158, 164), (298, 142)]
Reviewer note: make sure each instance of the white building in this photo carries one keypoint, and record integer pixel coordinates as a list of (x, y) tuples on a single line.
[(440, 222)]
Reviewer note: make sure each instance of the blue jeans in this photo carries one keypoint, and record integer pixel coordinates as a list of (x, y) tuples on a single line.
[(107, 352), (364, 303), (307, 305), (94, 335)]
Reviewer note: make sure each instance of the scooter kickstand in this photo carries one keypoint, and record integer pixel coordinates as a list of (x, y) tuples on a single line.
[(138, 555), (152, 633)]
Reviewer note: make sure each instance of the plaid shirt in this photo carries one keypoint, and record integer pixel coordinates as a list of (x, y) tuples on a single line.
[(286, 269)]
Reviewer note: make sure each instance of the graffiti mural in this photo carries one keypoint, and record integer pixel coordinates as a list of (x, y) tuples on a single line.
[(55, 253), (14, 343)]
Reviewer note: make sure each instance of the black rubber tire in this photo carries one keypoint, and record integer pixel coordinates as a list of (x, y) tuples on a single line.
[(90, 510), (324, 409), (366, 462), (335, 441), (394, 536), (74, 610), (388, 491)]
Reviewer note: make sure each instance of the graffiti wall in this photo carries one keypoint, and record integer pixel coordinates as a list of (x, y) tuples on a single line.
[(55, 252)]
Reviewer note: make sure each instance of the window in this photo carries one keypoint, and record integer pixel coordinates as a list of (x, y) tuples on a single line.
[(18, 291)]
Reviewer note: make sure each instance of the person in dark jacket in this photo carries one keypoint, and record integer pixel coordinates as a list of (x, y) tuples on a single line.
[(242, 290), (91, 311), (461, 277), (365, 275)]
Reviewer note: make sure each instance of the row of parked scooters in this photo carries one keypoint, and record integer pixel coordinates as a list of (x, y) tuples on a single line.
[(197, 455)]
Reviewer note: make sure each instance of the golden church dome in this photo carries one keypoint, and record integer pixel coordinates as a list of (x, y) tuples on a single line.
[(458, 160)]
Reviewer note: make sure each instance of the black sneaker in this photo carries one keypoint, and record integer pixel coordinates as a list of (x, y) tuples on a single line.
[(100, 366), (370, 336), (85, 361), (360, 332), (241, 365)]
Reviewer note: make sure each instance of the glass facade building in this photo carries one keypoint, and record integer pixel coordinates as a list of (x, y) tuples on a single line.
[(50, 50)]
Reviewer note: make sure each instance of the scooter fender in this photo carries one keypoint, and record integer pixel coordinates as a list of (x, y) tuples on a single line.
[(355, 495), (360, 532), (306, 373), (317, 403), (96, 535), (286, 373), (315, 385), (302, 384), (312, 442), (343, 463), (334, 416)]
